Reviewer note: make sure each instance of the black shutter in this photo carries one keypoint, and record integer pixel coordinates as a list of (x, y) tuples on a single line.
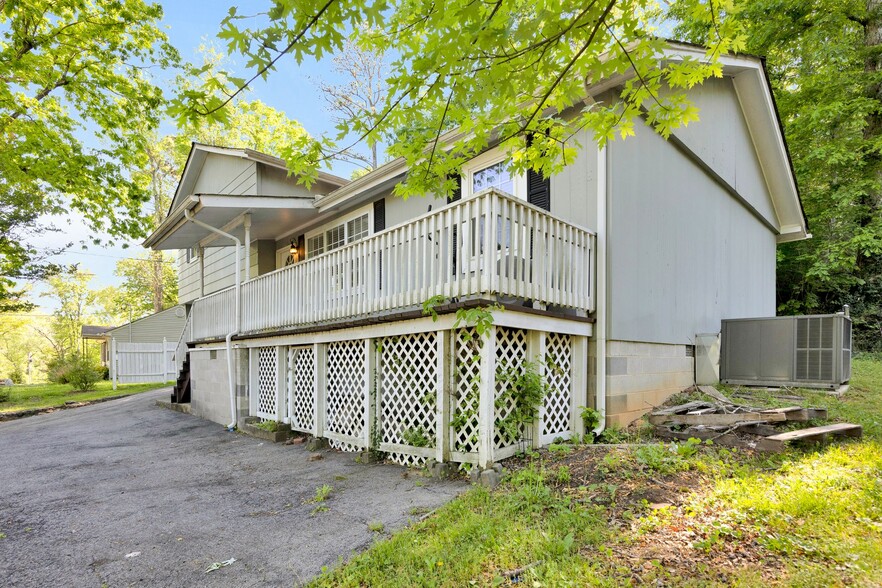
[(301, 247), (538, 190), (379, 215), (457, 190)]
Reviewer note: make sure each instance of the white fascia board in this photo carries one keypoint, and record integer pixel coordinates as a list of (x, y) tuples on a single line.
[(365, 182), (247, 202)]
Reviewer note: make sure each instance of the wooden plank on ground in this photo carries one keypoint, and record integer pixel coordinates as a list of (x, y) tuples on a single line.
[(681, 408), (760, 429), (715, 394), (715, 419), (726, 439), (791, 413), (818, 434)]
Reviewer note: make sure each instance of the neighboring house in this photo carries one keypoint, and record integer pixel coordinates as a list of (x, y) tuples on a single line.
[(145, 349), (165, 325), (97, 333), (606, 272)]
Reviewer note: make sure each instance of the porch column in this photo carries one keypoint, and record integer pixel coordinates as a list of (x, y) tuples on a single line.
[(247, 223), (486, 398), (200, 251)]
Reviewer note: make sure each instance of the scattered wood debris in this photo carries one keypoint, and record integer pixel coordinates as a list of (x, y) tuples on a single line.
[(726, 422)]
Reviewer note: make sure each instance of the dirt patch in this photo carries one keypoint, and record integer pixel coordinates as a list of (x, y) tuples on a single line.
[(659, 537)]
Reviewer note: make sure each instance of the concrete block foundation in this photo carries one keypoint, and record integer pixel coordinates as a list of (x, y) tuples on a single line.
[(641, 376)]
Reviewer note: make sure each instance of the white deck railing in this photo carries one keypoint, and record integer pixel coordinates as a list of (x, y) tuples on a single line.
[(531, 255)]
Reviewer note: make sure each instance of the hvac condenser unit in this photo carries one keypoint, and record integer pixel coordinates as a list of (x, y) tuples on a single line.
[(807, 351)]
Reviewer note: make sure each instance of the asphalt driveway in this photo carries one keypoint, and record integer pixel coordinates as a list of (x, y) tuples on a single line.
[(126, 493)]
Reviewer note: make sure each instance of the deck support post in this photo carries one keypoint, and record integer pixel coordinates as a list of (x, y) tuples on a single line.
[(370, 395), (578, 385), (486, 398), (536, 355), (442, 404), (281, 384), (253, 382), (320, 387)]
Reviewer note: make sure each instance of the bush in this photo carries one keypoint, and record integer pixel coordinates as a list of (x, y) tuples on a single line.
[(83, 375), (57, 369), (16, 375), (4, 394)]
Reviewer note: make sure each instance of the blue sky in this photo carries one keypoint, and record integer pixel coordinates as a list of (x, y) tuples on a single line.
[(189, 24)]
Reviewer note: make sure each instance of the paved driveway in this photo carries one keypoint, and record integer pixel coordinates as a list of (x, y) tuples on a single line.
[(125, 493)]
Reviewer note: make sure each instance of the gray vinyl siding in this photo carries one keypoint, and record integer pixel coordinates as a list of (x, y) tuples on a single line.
[(722, 139), (683, 253), (574, 189), (220, 174), (152, 329), (399, 210)]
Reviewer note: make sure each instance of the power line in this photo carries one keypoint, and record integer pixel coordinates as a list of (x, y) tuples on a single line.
[(112, 256)]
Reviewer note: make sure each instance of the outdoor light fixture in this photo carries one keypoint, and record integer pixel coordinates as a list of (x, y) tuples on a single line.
[(293, 250)]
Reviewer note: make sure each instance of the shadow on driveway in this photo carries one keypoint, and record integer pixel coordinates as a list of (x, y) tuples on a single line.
[(124, 492)]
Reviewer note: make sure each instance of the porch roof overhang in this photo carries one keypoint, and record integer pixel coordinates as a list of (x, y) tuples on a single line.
[(270, 217)]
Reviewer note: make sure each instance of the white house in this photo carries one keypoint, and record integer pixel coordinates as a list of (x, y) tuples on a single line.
[(606, 273)]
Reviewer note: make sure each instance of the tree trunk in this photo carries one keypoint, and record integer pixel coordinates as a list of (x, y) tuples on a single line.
[(157, 281)]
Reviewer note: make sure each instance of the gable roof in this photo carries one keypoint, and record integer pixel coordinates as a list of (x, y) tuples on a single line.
[(758, 105), (200, 151)]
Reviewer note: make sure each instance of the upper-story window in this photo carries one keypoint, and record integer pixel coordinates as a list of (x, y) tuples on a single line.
[(338, 235), (490, 170), (192, 254)]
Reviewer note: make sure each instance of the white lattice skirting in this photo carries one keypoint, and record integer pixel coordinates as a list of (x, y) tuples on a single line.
[(443, 395)]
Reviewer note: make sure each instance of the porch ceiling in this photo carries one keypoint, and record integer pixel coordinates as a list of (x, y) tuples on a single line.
[(270, 217)]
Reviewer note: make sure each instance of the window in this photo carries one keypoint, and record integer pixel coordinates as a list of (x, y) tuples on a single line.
[(493, 176), (490, 170), (192, 254), (339, 235), (316, 245)]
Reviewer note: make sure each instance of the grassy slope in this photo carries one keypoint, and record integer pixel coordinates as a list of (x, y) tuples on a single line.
[(803, 518), (39, 396)]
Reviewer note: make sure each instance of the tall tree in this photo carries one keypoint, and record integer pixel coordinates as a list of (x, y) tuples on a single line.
[(495, 70), (135, 296), (361, 95), (825, 65), (75, 97), (76, 305)]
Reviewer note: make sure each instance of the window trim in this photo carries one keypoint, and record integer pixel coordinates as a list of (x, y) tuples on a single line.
[(191, 254), (485, 160)]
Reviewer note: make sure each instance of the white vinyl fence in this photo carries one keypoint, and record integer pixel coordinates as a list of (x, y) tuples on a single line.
[(142, 362)]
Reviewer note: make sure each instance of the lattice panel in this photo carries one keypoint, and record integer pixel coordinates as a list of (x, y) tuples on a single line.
[(556, 406), (407, 381), (301, 388), (464, 426), (267, 363), (511, 355), (346, 392)]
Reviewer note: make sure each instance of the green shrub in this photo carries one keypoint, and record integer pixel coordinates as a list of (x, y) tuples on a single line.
[(82, 374), (16, 375), (4, 394)]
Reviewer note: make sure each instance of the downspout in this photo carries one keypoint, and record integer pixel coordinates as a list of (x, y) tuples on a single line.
[(601, 305), (230, 371)]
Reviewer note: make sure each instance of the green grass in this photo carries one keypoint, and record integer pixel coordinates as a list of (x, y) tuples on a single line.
[(39, 396), (806, 517)]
